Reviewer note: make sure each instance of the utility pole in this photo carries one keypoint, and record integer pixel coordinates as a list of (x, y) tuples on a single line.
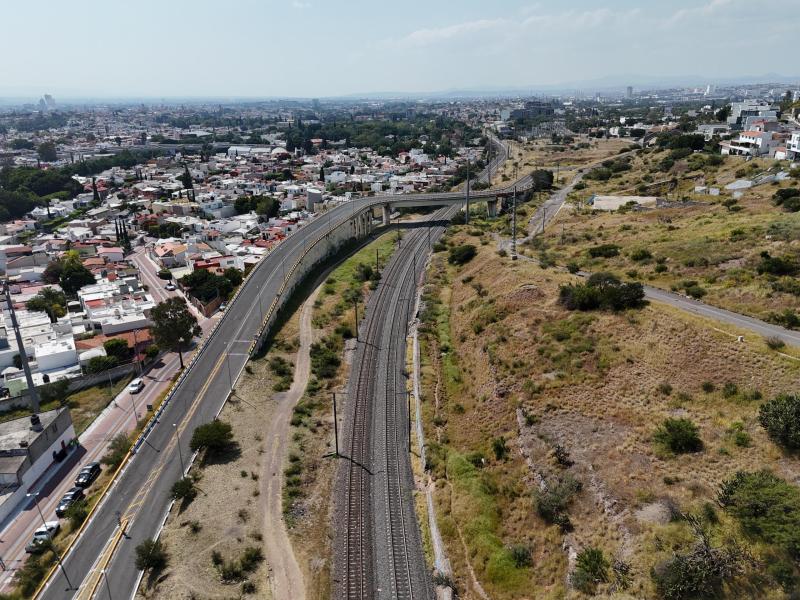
[(136, 353), (377, 261), (335, 425), (58, 556), (514, 225), (355, 304), (466, 216), (408, 397), (544, 217), (108, 585), (178, 444), (22, 354)]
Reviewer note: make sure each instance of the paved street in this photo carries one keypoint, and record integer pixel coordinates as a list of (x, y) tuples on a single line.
[(117, 417)]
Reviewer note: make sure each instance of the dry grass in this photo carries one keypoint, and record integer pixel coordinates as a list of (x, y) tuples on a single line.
[(227, 507), (542, 154), (707, 243), (540, 376)]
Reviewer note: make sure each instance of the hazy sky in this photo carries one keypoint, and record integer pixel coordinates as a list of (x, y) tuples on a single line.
[(169, 48)]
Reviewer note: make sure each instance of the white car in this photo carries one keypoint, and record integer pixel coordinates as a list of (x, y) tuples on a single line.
[(170, 287), (41, 536), (136, 386)]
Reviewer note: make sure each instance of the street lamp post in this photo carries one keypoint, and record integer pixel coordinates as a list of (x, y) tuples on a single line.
[(35, 496), (108, 585), (178, 443)]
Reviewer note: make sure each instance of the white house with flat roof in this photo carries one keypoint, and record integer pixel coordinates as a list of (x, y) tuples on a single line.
[(28, 449)]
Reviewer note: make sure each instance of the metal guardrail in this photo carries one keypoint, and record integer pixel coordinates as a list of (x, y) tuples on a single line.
[(154, 419)]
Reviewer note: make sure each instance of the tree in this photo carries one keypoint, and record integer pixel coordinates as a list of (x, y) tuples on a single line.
[(173, 325), (117, 348), (183, 489), (206, 286), (322, 173), (118, 140), (541, 180), (266, 207), (51, 301), (233, 275), (151, 555), (98, 364), (460, 255), (73, 274), (117, 449), (678, 436), (47, 152), (216, 437), (780, 418), (186, 178)]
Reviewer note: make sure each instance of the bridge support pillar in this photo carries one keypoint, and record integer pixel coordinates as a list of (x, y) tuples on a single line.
[(387, 215), (491, 208)]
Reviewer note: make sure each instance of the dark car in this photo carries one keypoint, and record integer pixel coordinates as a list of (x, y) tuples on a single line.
[(87, 475), (70, 498)]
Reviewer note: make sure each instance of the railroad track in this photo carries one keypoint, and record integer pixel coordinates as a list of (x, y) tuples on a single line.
[(379, 406), (377, 443)]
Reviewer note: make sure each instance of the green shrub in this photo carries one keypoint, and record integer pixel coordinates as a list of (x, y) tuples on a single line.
[(591, 568), (183, 489), (499, 448), (460, 255), (521, 555), (77, 513), (678, 436), (555, 498), (98, 364), (117, 449), (707, 387), (215, 437), (325, 359), (641, 254), (696, 292), (788, 198), (151, 555), (780, 418), (250, 559), (604, 251), (778, 265), (788, 318), (766, 506), (602, 291), (774, 342)]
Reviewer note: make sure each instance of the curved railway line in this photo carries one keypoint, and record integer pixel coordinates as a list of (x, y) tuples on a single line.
[(382, 547)]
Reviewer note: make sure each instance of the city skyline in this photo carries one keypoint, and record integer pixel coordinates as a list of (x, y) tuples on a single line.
[(187, 50)]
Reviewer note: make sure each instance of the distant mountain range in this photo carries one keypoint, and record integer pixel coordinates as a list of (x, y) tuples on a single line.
[(608, 84), (613, 83)]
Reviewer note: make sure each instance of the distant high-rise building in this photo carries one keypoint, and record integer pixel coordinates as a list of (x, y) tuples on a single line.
[(629, 92), (49, 101)]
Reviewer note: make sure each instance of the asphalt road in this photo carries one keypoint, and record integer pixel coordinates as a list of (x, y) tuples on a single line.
[(140, 493), (117, 417), (757, 327)]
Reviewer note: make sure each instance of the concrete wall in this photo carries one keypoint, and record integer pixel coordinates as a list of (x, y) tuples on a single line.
[(355, 228)]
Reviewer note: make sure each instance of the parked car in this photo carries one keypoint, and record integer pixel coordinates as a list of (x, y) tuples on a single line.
[(170, 287), (222, 307), (42, 536), (87, 475), (70, 498), (136, 386)]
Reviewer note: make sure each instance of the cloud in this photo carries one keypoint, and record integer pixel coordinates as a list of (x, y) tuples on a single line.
[(706, 10), (300, 5), (426, 37)]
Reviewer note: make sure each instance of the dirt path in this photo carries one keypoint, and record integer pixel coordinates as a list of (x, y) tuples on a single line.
[(286, 578)]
